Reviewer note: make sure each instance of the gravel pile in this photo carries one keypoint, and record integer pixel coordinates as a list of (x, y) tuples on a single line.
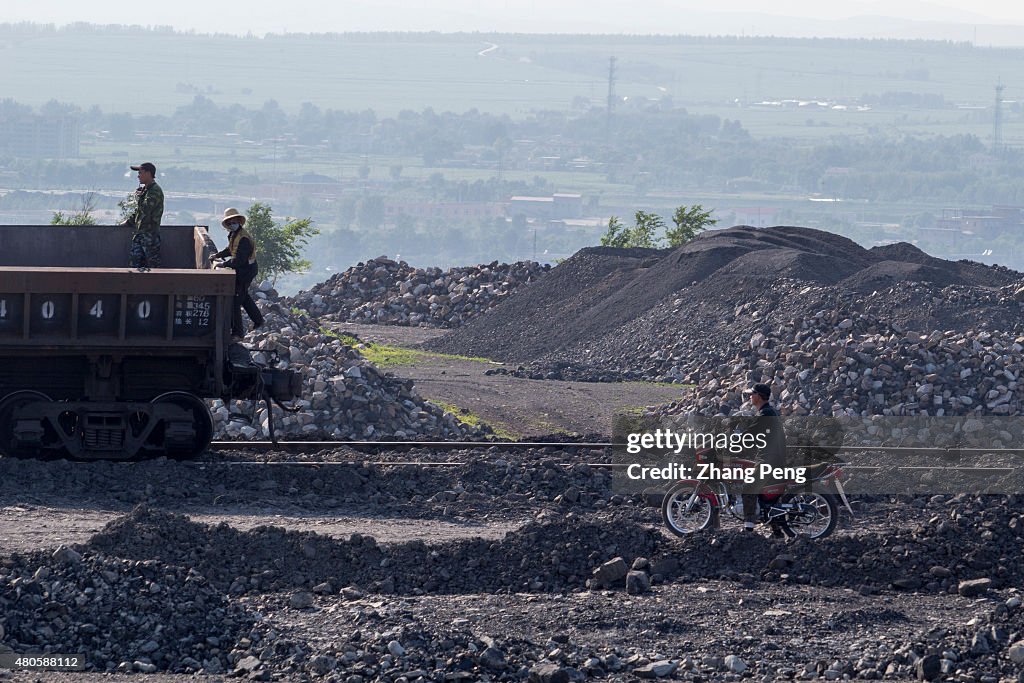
[(124, 615), (838, 361), (344, 396), (394, 293)]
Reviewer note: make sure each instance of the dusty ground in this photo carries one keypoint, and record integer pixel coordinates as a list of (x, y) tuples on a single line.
[(726, 613), (780, 630), (523, 407), (26, 528)]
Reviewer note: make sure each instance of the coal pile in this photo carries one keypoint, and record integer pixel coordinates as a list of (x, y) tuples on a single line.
[(391, 292), (344, 396), (968, 540), (541, 556), (470, 490), (567, 372), (123, 615), (579, 593), (561, 552), (743, 304), (557, 311)]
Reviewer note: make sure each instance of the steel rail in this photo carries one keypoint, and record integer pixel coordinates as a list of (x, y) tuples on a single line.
[(440, 445), (457, 445)]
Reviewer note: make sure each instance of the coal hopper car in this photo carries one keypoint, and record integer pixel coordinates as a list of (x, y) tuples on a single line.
[(102, 361)]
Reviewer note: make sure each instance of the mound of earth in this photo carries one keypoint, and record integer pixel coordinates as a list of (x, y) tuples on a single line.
[(534, 319), (654, 312)]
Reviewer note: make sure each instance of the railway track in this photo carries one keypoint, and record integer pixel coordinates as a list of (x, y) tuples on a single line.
[(370, 447)]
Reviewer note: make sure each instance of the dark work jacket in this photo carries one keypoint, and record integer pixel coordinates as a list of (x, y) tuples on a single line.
[(769, 423), (242, 250)]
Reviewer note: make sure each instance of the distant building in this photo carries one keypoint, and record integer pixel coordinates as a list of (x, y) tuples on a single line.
[(558, 206), (978, 222), (32, 136), (452, 212)]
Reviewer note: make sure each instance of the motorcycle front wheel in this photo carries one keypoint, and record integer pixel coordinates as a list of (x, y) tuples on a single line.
[(816, 517), (687, 508)]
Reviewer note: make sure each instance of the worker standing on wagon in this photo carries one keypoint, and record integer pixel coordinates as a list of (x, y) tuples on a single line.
[(149, 210), (241, 251)]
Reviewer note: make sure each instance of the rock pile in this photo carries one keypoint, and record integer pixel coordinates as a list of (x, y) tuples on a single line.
[(394, 293), (840, 361), (344, 396)]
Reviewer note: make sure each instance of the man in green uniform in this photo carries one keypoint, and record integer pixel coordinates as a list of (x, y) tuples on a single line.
[(145, 220)]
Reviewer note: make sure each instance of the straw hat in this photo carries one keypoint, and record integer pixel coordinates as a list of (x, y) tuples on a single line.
[(230, 214)]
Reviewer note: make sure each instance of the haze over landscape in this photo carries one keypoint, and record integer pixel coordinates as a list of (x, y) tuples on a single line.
[(987, 20), (444, 132)]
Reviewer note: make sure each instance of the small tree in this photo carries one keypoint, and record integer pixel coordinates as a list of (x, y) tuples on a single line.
[(690, 222), (278, 247), (81, 217), (645, 230), (643, 233), (616, 235), (126, 207)]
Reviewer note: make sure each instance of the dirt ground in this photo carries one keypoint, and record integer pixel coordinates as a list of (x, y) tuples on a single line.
[(522, 407), (743, 620), (27, 528)]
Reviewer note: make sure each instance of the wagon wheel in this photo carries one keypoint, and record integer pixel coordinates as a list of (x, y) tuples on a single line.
[(202, 422), (9, 405)]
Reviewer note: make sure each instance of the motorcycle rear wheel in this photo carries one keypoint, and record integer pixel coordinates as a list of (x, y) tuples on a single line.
[(683, 517), (817, 524)]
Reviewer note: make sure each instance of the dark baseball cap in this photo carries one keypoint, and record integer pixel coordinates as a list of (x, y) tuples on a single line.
[(145, 166), (762, 390)]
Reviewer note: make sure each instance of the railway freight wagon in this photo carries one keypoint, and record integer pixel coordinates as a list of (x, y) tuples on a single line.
[(98, 360)]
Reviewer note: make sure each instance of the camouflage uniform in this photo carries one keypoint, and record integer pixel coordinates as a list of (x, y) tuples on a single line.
[(145, 251)]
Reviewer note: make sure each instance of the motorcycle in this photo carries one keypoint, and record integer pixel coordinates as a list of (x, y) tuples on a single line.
[(806, 509)]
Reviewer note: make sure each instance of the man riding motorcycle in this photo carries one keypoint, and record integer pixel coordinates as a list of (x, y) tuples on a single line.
[(769, 424)]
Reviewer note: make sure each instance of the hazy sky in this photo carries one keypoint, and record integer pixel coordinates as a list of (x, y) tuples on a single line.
[(541, 16)]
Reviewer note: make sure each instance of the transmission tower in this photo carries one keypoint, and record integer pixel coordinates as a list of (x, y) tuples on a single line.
[(611, 94), (997, 121)]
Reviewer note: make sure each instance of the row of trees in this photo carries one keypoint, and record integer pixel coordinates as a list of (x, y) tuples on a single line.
[(650, 232), (643, 147)]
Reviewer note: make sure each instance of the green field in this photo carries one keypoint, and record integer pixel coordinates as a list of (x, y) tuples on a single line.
[(144, 72)]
